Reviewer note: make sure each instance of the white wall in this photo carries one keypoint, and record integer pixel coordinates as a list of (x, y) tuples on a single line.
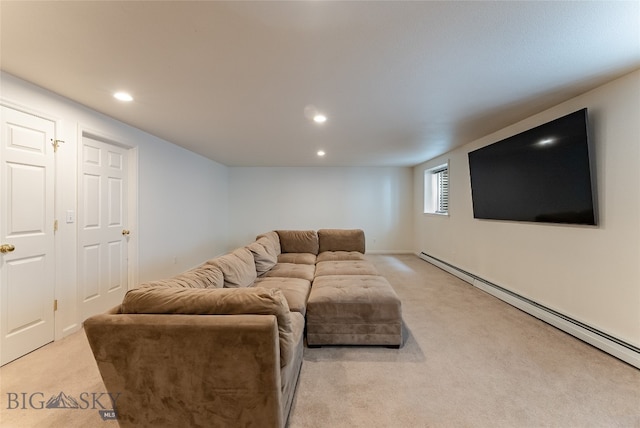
[(591, 274), (377, 200), (184, 211), (182, 208)]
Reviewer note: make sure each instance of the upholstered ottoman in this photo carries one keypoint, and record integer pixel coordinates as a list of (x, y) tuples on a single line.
[(353, 310), (345, 267)]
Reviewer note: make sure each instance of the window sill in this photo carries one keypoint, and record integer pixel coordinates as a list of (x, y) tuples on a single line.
[(438, 214)]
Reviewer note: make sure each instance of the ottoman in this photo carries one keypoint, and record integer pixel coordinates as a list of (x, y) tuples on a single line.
[(345, 267), (353, 310)]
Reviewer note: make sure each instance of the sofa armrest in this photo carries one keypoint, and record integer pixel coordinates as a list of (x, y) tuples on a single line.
[(190, 370)]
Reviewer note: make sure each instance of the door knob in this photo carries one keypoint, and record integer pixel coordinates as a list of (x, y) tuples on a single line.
[(125, 232), (6, 248)]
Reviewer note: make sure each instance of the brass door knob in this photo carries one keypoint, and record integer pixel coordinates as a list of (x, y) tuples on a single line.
[(125, 232), (6, 248)]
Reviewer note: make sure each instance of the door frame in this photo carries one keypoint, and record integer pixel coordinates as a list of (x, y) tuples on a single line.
[(132, 202)]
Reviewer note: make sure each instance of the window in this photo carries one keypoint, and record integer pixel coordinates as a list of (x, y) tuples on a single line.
[(436, 190)]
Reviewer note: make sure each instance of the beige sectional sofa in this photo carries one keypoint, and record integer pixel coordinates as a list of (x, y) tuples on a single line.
[(222, 344)]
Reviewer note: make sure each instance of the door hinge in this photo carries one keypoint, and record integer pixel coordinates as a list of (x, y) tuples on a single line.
[(56, 144), (55, 225), (55, 305)]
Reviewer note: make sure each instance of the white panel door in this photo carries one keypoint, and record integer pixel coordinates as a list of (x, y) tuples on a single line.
[(27, 268), (102, 220)]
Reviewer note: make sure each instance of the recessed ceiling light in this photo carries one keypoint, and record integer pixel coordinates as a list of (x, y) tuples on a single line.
[(123, 96), (321, 153), (319, 118)]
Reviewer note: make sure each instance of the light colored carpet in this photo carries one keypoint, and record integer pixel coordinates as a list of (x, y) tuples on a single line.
[(469, 360), (64, 366)]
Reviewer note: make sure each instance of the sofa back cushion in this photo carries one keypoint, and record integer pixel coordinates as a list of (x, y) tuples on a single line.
[(264, 255), (189, 301), (298, 241), (238, 268), (341, 240), (205, 276), (273, 238)]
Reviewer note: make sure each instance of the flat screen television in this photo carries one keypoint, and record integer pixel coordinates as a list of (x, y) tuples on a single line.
[(545, 174)]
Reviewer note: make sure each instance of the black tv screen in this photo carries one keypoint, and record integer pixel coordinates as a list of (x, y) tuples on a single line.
[(544, 174)]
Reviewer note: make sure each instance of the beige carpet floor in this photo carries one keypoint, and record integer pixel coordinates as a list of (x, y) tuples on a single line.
[(469, 360)]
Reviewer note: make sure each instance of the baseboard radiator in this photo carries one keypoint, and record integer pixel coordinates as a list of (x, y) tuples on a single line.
[(609, 344)]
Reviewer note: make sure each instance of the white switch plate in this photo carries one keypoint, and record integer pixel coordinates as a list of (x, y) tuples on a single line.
[(71, 216)]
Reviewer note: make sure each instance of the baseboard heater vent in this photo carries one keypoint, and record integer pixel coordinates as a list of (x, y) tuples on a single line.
[(609, 344)]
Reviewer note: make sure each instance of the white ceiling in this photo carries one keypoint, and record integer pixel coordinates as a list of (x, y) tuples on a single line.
[(401, 82)]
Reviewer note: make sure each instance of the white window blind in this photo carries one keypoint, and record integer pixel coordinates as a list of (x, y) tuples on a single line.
[(436, 190), (441, 182)]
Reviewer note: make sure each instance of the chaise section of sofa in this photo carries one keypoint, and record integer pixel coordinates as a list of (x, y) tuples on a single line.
[(350, 302), (353, 310)]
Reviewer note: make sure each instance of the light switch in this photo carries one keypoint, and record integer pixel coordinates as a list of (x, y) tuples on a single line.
[(71, 216)]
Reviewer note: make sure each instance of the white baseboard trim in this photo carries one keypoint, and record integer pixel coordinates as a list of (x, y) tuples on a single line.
[(607, 343)]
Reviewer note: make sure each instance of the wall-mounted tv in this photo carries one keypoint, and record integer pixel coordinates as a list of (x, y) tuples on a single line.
[(545, 174)]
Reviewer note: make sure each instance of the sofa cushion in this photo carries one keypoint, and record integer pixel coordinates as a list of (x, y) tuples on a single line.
[(291, 270), (298, 241), (273, 238), (353, 298), (205, 276), (295, 290), (238, 268), (345, 267), (297, 258), (332, 256), (341, 240), (251, 301), (264, 255), (272, 246)]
